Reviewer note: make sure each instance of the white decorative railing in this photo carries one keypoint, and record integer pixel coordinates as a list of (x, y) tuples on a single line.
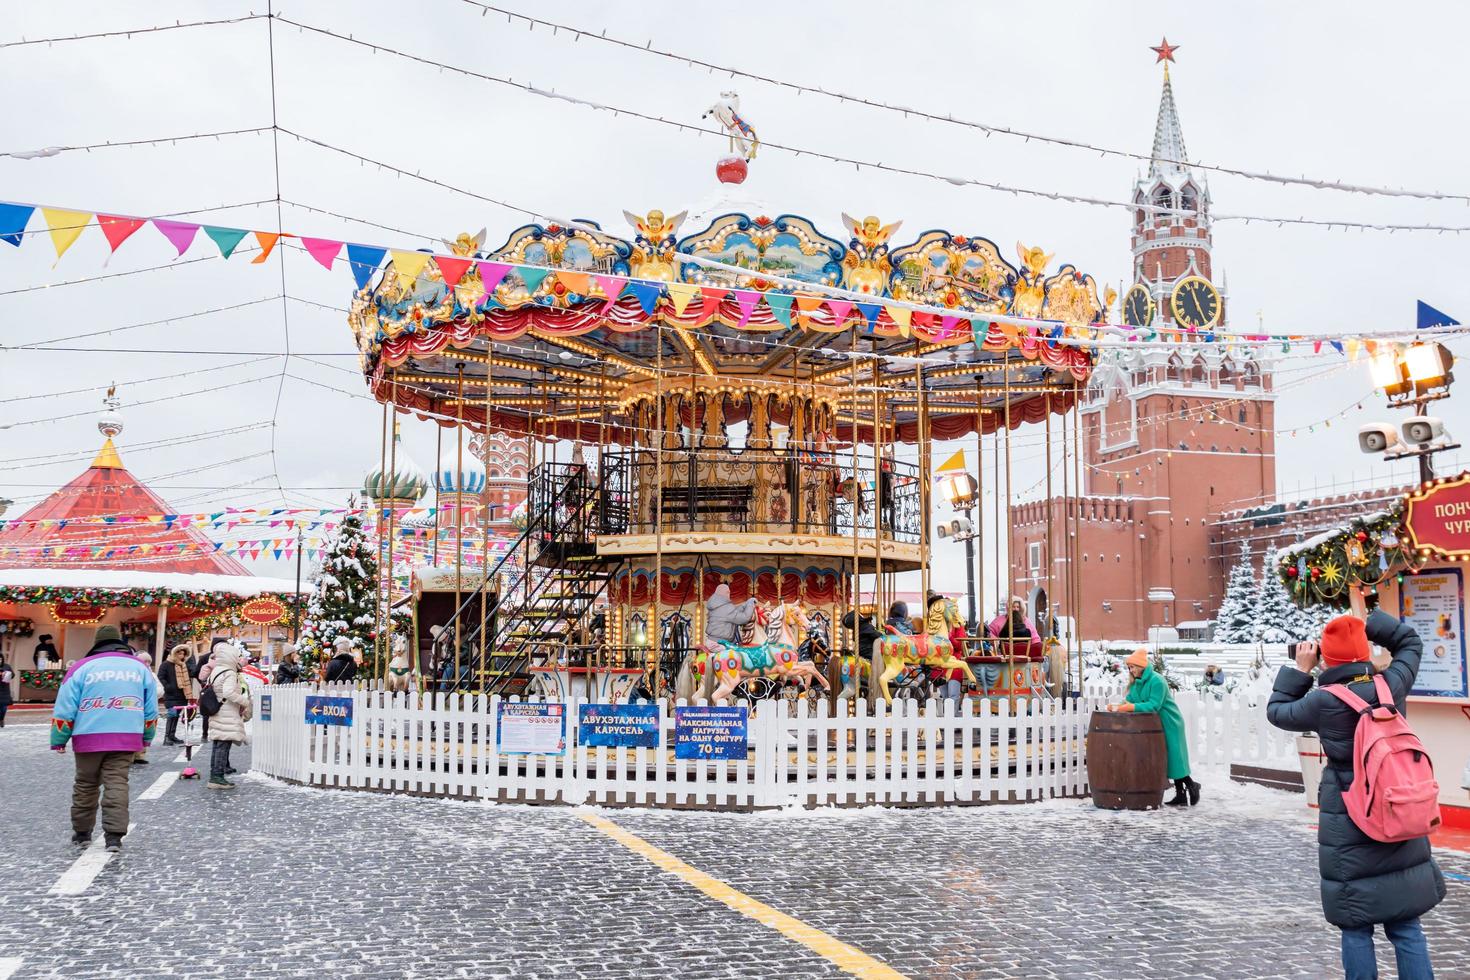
[(797, 755)]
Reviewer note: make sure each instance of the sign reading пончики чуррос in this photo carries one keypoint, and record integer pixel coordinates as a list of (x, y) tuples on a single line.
[(1437, 518), (713, 732), (328, 711)]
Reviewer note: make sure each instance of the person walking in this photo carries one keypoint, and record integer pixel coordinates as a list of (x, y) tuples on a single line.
[(343, 665), (228, 726), (288, 671), (1149, 694), (1365, 882), (107, 707), (178, 690), (7, 674)]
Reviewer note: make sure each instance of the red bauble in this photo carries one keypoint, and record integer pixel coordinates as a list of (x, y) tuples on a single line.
[(1291, 572), (731, 170), (1316, 573), (1362, 535)]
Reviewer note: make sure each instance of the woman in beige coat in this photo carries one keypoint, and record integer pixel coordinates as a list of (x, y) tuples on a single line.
[(228, 725)]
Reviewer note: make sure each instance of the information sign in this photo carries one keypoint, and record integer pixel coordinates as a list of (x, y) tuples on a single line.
[(531, 729), (710, 733), (328, 711), (618, 725), (1433, 603)]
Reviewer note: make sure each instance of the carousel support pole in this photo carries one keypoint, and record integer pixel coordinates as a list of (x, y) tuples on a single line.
[(1077, 520), (384, 478), (457, 625), (158, 635), (660, 417), (855, 497), (438, 468), (921, 433), (878, 486), (1069, 546), (1000, 576), (381, 644), (1050, 599), (1010, 559), (485, 505), (977, 611), (296, 617)]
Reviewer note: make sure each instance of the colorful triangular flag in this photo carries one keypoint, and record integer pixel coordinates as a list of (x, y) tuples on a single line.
[(324, 250), (180, 234), (780, 304), (955, 463), (267, 241), (364, 260), (226, 238), (13, 220), (532, 277), (117, 228), (647, 294), (65, 227)]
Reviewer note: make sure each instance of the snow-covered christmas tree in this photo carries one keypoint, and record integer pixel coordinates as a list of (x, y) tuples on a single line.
[(344, 594), (1235, 622), (1277, 619)]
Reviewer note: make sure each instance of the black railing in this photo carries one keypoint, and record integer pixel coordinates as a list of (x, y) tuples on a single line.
[(761, 490)]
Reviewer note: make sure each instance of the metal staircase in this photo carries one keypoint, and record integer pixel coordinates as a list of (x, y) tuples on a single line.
[(543, 588)]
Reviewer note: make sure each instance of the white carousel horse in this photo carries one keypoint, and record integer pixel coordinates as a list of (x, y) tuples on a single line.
[(400, 668), (727, 113)]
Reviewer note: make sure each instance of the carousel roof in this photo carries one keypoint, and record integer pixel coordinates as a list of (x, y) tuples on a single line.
[(754, 299), (106, 520)]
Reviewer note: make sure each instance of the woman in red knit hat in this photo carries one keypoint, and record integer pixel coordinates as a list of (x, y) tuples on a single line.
[(1364, 882)]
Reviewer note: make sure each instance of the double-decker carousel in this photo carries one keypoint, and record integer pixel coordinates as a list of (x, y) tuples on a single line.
[(733, 415)]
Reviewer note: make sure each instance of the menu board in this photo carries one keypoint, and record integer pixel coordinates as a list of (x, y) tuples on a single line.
[(1433, 603)]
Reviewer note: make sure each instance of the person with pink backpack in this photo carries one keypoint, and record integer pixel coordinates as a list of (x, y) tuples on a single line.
[(1377, 794)]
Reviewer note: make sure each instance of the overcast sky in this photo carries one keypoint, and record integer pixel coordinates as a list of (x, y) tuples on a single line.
[(1307, 88)]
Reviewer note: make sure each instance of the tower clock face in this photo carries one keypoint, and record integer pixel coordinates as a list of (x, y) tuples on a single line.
[(1138, 306), (1196, 303)]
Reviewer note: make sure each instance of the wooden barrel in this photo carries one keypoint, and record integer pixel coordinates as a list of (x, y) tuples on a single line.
[(1127, 761)]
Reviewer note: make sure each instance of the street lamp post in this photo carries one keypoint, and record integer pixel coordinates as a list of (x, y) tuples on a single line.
[(962, 492), (1411, 376)]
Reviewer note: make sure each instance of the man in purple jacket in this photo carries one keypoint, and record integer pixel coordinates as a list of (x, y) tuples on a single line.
[(107, 707)]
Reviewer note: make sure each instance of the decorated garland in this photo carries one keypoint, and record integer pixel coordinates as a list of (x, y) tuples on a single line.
[(46, 680), (17, 627), (1364, 552), (201, 601)]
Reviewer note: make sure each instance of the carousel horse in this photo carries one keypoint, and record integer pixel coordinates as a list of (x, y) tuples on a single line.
[(895, 652), (772, 654), (400, 671), (727, 113)]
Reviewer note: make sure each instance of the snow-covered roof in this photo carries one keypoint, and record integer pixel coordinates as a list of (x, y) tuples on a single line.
[(1196, 624), (1307, 544), (245, 586)]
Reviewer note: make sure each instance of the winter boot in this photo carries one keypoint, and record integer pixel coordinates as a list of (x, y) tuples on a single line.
[(81, 837), (114, 842), (171, 734), (219, 782), (1181, 797), (1194, 789)]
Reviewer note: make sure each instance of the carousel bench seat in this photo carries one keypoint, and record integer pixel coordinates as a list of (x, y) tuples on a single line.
[(731, 503)]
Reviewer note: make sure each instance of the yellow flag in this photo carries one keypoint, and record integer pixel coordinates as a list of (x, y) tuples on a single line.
[(955, 463), (65, 226), (410, 264), (681, 293), (902, 316), (1352, 348)]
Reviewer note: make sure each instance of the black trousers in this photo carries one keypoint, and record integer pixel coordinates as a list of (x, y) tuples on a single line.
[(219, 758)]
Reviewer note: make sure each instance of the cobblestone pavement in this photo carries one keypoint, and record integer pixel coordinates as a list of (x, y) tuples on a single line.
[(273, 880)]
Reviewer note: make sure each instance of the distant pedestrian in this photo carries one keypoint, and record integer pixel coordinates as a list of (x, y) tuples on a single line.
[(1149, 694), (6, 676), (288, 671), (107, 707), (178, 690), (1214, 676), (1365, 882), (343, 665), (228, 726)]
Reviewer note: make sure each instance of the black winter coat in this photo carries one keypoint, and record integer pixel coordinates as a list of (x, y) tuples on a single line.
[(1364, 881), (288, 673), (168, 686), (5, 697), (341, 669), (867, 635)]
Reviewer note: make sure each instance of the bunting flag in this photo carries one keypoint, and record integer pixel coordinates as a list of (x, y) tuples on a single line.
[(954, 464), (903, 316), (491, 274), (780, 304), (575, 282), (806, 306), (409, 265), (870, 313), (364, 260), (647, 294), (747, 300), (227, 239), (840, 309), (267, 241), (65, 227), (325, 251), (532, 277), (117, 229), (611, 286), (1428, 317), (13, 221), (709, 300), (452, 268), (680, 293), (180, 234)]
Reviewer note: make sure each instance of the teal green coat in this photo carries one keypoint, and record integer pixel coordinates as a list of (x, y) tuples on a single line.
[(1150, 695)]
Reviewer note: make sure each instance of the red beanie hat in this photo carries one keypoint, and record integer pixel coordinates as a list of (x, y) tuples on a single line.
[(1344, 641)]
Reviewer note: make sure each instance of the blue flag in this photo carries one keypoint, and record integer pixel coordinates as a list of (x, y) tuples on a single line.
[(13, 218), (364, 260), (1430, 317)]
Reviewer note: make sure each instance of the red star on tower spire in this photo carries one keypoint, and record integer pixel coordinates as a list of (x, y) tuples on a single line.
[(1165, 50)]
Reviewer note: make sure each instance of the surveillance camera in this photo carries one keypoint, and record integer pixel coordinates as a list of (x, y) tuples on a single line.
[(1422, 429), (1377, 437)]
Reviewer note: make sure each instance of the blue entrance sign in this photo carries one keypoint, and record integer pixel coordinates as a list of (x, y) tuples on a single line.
[(328, 711), (618, 725), (709, 733), (265, 707)]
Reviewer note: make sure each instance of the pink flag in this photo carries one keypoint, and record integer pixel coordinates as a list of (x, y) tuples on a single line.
[(611, 286), (324, 250), (748, 299), (490, 275), (180, 234), (946, 327), (840, 309)]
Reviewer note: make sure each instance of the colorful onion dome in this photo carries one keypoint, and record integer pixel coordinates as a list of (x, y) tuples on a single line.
[(469, 480), (405, 481)]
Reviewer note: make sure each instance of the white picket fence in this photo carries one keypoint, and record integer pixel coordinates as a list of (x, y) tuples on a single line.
[(865, 754)]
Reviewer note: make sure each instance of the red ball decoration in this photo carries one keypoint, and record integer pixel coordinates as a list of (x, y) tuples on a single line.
[(1316, 573), (1291, 572), (731, 170), (1361, 535)]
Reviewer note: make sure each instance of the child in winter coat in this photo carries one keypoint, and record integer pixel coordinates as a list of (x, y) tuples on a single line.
[(1364, 882), (228, 725)]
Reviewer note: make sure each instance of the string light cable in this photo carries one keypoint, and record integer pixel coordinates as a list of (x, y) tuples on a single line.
[(133, 382), (858, 163), (131, 32), (52, 151), (987, 128)]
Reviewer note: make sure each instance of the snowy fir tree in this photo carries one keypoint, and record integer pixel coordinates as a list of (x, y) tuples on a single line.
[(1277, 618), (1235, 622), (344, 595), (1311, 619)]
